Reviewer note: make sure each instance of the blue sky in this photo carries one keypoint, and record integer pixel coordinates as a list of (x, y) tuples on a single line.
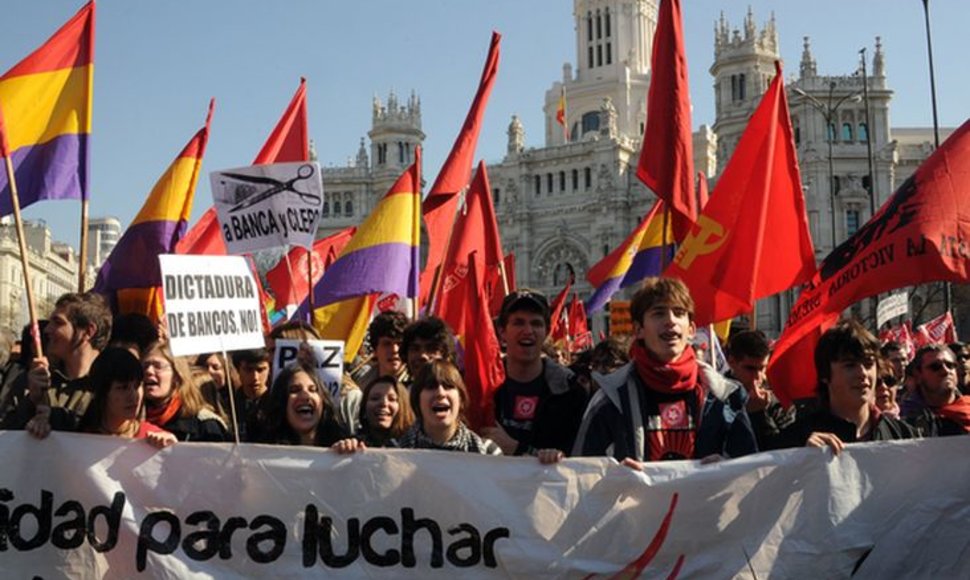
[(157, 64)]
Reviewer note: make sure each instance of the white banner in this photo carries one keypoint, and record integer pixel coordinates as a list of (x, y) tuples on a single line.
[(891, 307), (96, 506), (266, 206), (211, 304), (327, 356)]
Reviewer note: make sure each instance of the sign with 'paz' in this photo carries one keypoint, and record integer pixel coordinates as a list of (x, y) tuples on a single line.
[(326, 356), (211, 304), (266, 206)]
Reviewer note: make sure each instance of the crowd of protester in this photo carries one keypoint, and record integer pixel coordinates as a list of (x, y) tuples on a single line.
[(647, 398)]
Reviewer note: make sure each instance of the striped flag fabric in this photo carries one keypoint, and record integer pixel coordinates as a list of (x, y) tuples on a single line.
[(383, 254), (638, 256), (46, 102), (131, 276)]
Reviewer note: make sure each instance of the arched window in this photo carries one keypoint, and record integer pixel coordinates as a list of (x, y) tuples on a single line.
[(496, 195), (609, 53), (590, 57), (548, 183), (538, 185), (575, 179), (599, 55), (400, 152), (591, 122), (863, 132), (588, 177), (562, 181), (606, 20), (349, 207), (742, 94), (846, 132), (589, 26), (606, 250), (599, 26), (336, 206), (326, 208), (560, 273), (831, 131)]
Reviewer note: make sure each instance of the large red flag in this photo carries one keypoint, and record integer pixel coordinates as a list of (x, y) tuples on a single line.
[(752, 238), (288, 278), (918, 236), (484, 372), (289, 141), (475, 231), (558, 322), (439, 206), (667, 154), (580, 338)]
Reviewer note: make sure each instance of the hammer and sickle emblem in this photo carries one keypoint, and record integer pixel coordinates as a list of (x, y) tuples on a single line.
[(709, 238)]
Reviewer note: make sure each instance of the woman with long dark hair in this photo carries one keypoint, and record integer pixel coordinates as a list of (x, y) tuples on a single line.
[(301, 411)]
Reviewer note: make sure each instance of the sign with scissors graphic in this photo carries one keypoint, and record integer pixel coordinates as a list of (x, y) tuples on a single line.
[(265, 206)]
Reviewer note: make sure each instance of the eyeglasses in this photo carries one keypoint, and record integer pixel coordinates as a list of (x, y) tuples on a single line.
[(155, 364), (937, 366)]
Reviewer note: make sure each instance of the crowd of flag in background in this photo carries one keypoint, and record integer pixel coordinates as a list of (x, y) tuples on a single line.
[(749, 241)]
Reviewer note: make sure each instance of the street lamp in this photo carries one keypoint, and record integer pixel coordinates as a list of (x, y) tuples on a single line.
[(828, 111)]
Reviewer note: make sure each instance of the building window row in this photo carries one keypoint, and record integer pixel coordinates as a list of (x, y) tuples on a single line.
[(563, 180), (338, 204), (599, 34)]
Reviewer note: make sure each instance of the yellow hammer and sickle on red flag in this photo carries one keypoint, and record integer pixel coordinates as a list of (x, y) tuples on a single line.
[(709, 238)]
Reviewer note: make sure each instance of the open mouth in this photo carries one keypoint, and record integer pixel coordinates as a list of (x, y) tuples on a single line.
[(441, 408), (305, 411), (670, 336)]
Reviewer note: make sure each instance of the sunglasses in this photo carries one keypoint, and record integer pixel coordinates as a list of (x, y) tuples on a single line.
[(937, 366)]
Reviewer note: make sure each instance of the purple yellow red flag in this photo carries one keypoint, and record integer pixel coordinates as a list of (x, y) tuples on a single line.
[(46, 102), (130, 277), (383, 254)]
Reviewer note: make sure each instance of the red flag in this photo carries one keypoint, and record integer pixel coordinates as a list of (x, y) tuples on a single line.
[(475, 231), (289, 141), (580, 337), (939, 330), (483, 356), (495, 285), (558, 323), (439, 206), (916, 237), (667, 155), (289, 283), (702, 195), (752, 238)]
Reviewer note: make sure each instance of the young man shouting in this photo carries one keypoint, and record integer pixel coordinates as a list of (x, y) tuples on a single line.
[(665, 404)]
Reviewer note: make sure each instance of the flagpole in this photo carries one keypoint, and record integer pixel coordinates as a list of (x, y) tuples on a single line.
[(83, 258), (309, 272), (24, 262)]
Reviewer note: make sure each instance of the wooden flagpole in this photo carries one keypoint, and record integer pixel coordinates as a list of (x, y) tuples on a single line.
[(83, 258), (24, 261)]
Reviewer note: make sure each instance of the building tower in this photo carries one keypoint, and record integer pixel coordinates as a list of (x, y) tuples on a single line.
[(395, 134), (744, 65), (103, 236), (614, 40)]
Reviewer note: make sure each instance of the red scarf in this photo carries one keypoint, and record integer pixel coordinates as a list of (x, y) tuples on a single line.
[(958, 411), (160, 415), (677, 376)]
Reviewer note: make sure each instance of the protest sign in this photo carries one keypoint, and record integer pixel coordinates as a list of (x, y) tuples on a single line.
[(328, 359), (891, 307), (106, 507), (211, 304), (266, 206)]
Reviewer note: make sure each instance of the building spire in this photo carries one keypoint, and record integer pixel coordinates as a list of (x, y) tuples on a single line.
[(807, 67)]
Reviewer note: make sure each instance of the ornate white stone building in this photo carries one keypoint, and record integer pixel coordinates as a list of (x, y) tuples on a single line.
[(53, 272), (563, 205), (103, 236)]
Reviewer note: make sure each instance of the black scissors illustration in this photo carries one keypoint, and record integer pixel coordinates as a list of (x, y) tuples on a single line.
[(304, 172)]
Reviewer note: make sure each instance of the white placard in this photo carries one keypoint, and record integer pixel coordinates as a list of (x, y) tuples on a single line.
[(267, 206), (328, 358), (890, 307), (107, 507), (211, 304)]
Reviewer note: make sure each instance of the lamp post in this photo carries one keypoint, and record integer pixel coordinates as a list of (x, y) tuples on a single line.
[(828, 111), (872, 173)]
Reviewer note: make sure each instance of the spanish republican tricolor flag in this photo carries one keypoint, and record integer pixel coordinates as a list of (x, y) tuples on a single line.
[(131, 278), (561, 113), (382, 257), (46, 103)]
